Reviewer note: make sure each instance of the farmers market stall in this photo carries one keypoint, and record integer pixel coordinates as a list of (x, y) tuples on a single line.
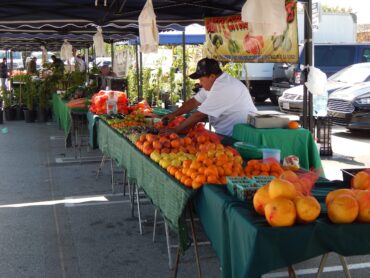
[(298, 142), (63, 116), (163, 190), (248, 247)]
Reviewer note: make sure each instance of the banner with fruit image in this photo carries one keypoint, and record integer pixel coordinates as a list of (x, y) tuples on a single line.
[(228, 39)]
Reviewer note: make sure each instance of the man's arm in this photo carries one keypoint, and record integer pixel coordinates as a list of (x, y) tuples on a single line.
[(186, 107), (190, 122)]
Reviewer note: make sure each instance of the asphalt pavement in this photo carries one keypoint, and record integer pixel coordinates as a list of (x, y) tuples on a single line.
[(59, 220)]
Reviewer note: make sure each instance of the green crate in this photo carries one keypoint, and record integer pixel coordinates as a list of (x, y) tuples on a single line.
[(262, 180), (244, 188), (248, 151), (241, 187)]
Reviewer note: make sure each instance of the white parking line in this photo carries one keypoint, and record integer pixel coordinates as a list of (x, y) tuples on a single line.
[(314, 270)]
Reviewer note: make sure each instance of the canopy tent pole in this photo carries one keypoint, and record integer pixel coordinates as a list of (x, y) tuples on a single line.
[(308, 122), (137, 69), (112, 53), (140, 98), (183, 67)]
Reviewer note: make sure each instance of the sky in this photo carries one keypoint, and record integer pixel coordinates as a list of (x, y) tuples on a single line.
[(360, 7)]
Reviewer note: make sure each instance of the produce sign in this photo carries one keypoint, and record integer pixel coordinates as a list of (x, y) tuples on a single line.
[(99, 102), (228, 39)]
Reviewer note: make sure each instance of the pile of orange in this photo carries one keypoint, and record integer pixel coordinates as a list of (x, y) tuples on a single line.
[(209, 167), (263, 168)]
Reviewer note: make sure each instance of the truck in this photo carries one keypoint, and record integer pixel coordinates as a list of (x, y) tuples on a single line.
[(333, 28)]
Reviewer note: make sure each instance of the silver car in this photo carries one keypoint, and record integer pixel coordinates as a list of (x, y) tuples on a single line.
[(350, 107), (292, 99)]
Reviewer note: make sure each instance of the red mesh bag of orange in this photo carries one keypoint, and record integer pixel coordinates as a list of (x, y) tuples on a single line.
[(99, 102)]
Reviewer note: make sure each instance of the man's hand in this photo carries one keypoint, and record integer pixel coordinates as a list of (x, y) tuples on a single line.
[(167, 119), (167, 131)]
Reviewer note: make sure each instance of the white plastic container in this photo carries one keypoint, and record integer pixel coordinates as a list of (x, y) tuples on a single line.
[(271, 153)]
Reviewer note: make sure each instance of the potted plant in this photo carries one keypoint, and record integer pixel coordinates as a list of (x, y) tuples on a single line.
[(29, 112), (9, 111)]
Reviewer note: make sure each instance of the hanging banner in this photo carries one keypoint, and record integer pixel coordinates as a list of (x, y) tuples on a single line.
[(121, 62), (228, 39)]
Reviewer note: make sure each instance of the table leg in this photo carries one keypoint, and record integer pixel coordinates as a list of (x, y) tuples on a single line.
[(112, 174), (154, 224), (138, 208), (291, 272), (100, 167), (322, 264), (195, 241), (168, 243), (177, 262), (345, 266)]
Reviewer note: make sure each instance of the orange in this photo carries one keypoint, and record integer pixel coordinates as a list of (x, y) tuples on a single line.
[(208, 162), (169, 168), (200, 179), (175, 144), (212, 179), (201, 156), (178, 175), (220, 170), (173, 171), (201, 170), (201, 139), (211, 171), (223, 180), (173, 136), (187, 163), (187, 141), (293, 125), (196, 184), (195, 165), (194, 175), (188, 182)]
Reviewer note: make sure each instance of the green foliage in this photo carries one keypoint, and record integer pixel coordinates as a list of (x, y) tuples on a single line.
[(132, 84), (7, 98), (31, 93), (234, 69)]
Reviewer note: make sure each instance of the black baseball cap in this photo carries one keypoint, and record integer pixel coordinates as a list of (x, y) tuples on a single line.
[(206, 67)]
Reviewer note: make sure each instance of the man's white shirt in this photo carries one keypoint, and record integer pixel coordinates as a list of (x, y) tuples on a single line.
[(226, 104)]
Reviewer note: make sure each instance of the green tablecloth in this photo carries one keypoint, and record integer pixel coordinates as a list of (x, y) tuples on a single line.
[(163, 190), (62, 115), (93, 121), (298, 142), (248, 247)]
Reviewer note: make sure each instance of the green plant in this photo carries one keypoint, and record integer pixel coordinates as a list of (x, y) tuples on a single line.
[(234, 69), (132, 84), (31, 93), (7, 98)]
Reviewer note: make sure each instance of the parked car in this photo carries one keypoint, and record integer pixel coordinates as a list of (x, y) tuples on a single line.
[(350, 107), (292, 99), (329, 58)]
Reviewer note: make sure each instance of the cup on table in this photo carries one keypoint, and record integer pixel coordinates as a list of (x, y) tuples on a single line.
[(271, 153)]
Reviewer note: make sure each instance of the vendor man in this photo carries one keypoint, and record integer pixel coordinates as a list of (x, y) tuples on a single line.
[(224, 99)]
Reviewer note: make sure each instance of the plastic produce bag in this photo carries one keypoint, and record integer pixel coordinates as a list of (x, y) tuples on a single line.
[(265, 17), (99, 43), (66, 51), (316, 81), (148, 31)]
